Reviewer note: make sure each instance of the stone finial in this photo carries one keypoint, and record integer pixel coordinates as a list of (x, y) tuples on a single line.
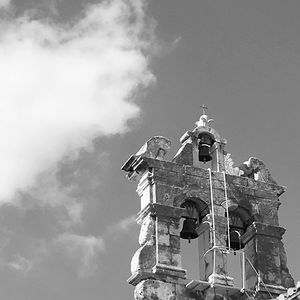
[(156, 147), (256, 169), (204, 121)]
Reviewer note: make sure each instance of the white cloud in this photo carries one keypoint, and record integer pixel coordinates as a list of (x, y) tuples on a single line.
[(123, 225), (4, 3), (62, 87), (82, 250), (49, 192), (20, 264), (126, 223)]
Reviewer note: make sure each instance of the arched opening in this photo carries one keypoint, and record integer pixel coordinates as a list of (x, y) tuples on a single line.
[(236, 262), (238, 223), (236, 230), (193, 249)]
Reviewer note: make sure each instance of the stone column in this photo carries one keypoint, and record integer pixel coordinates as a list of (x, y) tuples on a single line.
[(156, 265), (266, 259)]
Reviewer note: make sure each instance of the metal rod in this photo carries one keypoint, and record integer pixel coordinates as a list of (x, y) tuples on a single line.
[(213, 221), (258, 276), (243, 271), (227, 209), (218, 163), (221, 248), (203, 108)]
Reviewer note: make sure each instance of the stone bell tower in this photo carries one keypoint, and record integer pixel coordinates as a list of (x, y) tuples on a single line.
[(232, 212)]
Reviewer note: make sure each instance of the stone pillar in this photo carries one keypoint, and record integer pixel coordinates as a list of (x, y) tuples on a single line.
[(156, 265), (218, 154), (263, 248)]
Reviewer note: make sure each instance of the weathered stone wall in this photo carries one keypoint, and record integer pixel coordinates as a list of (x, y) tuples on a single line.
[(163, 187)]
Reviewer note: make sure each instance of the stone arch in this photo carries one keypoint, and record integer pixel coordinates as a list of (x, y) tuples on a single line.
[(192, 195), (210, 130), (238, 224), (243, 213), (201, 206), (190, 251)]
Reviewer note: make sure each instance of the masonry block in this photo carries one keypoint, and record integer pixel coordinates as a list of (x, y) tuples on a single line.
[(174, 227), (147, 232), (156, 290)]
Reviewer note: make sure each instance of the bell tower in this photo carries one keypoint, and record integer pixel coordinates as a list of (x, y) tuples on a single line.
[(200, 196)]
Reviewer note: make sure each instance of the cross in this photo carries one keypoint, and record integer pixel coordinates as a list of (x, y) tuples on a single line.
[(203, 107)]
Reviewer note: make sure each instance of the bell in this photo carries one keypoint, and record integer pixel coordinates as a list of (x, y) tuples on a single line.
[(188, 231), (235, 241), (204, 154), (205, 142)]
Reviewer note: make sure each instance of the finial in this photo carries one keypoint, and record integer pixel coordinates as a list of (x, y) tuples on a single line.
[(203, 108), (203, 121)]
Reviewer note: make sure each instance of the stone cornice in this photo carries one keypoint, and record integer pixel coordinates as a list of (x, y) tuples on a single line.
[(155, 209), (257, 228)]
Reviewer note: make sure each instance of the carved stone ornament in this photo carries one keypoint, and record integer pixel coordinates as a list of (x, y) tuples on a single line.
[(156, 147), (204, 121), (228, 164), (256, 169)]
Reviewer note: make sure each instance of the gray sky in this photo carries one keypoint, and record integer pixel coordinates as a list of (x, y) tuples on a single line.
[(86, 83)]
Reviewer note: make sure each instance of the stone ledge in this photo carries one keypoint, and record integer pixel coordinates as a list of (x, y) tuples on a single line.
[(139, 276), (160, 272), (220, 279), (161, 269), (257, 228), (268, 288), (155, 209)]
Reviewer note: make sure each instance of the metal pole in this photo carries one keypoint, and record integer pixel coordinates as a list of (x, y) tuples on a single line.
[(217, 155), (227, 209), (214, 226), (243, 272)]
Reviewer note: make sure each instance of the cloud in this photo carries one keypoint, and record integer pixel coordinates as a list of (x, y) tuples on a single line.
[(82, 250), (64, 85), (4, 3), (61, 199), (22, 254), (20, 264), (121, 228), (123, 225)]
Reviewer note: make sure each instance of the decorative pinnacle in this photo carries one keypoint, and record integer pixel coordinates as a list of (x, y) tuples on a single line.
[(204, 121)]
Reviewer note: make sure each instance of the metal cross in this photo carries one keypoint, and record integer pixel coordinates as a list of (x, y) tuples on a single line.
[(203, 107)]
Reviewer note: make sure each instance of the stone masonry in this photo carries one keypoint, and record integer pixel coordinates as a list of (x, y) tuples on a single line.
[(164, 186)]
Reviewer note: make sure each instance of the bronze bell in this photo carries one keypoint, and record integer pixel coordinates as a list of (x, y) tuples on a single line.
[(235, 240), (204, 154), (188, 231), (205, 142)]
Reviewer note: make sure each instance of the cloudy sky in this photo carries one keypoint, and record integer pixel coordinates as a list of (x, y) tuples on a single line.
[(85, 83)]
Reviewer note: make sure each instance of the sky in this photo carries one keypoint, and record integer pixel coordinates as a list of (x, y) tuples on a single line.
[(85, 83)]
